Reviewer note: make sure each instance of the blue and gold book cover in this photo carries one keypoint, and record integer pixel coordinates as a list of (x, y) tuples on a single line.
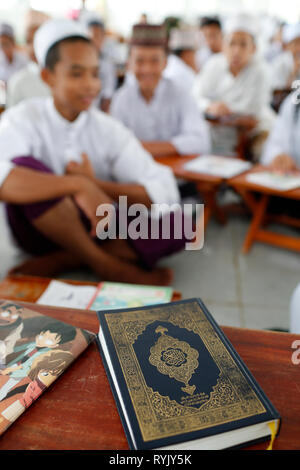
[(179, 377)]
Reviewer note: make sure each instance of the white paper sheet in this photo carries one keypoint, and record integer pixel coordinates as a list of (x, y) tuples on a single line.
[(276, 181), (62, 294), (216, 165)]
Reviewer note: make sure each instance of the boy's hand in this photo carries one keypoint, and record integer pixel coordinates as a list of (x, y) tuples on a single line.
[(89, 197), (218, 109), (84, 168), (283, 163)]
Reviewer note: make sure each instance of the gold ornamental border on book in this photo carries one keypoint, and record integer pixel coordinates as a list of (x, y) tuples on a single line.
[(231, 398)]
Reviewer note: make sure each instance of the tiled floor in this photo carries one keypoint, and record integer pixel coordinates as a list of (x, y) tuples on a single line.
[(251, 291)]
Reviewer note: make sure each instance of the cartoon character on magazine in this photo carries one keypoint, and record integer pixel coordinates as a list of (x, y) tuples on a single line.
[(11, 326), (44, 370), (52, 335)]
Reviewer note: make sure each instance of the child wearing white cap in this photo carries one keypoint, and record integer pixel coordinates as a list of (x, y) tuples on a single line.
[(181, 65), (162, 115), (11, 60), (27, 82), (235, 81), (286, 67), (70, 157)]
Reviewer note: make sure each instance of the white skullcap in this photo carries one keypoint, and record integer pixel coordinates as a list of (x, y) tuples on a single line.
[(290, 32), (53, 31), (242, 22), (6, 30), (183, 39), (87, 17)]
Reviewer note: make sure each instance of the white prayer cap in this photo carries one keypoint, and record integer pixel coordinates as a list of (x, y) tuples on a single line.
[(52, 32), (183, 39), (242, 22), (87, 17), (6, 30), (290, 32)]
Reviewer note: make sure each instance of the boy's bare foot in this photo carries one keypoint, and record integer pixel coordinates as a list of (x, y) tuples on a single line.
[(48, 265)]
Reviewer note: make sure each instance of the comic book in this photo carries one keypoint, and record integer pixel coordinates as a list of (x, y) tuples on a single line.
[(34, 351)]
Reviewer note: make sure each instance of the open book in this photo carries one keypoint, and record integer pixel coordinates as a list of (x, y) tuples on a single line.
[(107, 295), (278, 181), (216, 165)]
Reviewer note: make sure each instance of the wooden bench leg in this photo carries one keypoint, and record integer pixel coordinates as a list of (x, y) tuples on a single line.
[(211, 206), (257, 220)]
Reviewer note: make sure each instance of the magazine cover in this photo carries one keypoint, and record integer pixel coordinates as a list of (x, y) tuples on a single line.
[(34, 351)]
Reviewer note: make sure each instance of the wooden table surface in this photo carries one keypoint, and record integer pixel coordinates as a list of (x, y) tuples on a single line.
[(257, 198), (241, 181), (30, 288), (78, 411)]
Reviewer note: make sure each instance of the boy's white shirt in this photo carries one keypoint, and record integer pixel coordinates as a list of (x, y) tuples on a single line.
[(7, 69), (171, 115), (26, 83), (247, 93), (282, 68), (285, 136), (34, 127), (180, 73)]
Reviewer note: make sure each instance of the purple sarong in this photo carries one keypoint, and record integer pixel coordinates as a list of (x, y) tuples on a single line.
[(20, 218)]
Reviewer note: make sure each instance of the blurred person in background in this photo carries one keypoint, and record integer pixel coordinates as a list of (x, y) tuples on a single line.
[(27, 82), (11, 59)]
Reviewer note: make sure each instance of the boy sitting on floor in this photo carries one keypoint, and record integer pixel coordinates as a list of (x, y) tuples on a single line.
[(163, 116), (66, 156)]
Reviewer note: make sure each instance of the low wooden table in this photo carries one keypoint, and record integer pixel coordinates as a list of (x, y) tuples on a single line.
[(30, 288), (207, 185), (78, 411), (259, 208)]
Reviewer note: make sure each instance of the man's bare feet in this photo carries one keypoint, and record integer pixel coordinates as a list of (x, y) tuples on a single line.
[(125, 271)]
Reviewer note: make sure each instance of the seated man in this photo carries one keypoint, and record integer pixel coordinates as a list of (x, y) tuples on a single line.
[(235, 82), (68, 157), (282, 151), (212, 40), (11, 60), (286, 67), (161, 115), (27, 82)]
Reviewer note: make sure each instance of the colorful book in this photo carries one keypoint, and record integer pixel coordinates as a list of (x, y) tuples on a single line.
[(34, 351), (114, 295), (178, 382)]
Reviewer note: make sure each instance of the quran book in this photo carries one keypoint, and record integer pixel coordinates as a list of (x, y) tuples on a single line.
[(178, 382), (281, 182), (114, 295), (34, 351), (216, 165)]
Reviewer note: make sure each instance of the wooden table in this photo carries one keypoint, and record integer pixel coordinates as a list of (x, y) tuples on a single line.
[(78, 411), (259, 207), (207, 185), (30, 288)]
